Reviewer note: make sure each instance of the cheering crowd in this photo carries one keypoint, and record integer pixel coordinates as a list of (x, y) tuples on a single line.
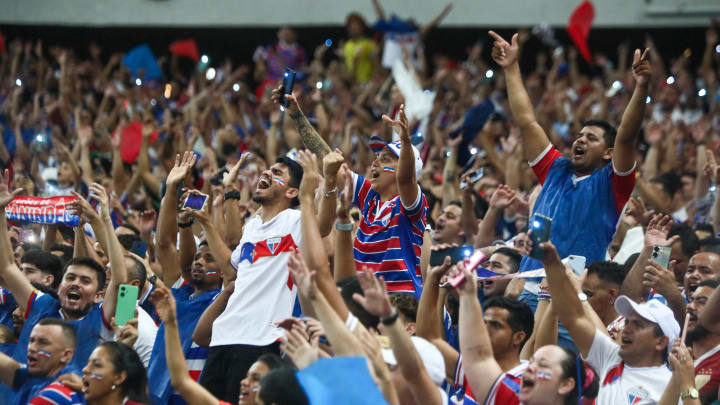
[(321, 263)]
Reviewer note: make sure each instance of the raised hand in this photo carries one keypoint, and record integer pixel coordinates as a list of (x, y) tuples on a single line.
[(164, 303), (230, 178), (657, 231), (5, 194), (400, 125), (147, 221), (639, 212), (659, 278), (302, 352), (641, 67), (681, 361), (97, 192), (128, 333), (504, 53), (311, 176), (181, 169), (82, 208), (468, 285), (301, 275), (346, 195), (332, 162), (375, 300), (277, 95), (503, 197), (550, 256)]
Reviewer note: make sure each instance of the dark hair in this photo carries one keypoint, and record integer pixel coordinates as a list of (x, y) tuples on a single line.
[(137, 271), (272, 360), (514, 257), (709, 283), (67, 251), (348, 287), (68, 330), (609, 131), (630, 262), (406, 304), (520, 316), (67, 232), (456, 203), (296, 174), (609, 272), (127, 241), (29, 247), (48, 263), (88, 262), (710, 244), (705, 227), (569, 366), (689, 241), (135, 386), (355, 16), (130, 227), (669, 181), (281, 387)]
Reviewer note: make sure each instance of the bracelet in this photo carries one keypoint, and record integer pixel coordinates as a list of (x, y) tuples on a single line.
[(186, 224), (390, 319), (340, 226), (544, 296), (544, 288), (232, 195), (327, 193)]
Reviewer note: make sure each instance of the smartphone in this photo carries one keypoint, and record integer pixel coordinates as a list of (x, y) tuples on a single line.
[(457, 253), (126, 303), (195, 202), (540, 225), (661, 255), (288, 83), (475, 176), (577, 264), (218, 178), (139, 248)]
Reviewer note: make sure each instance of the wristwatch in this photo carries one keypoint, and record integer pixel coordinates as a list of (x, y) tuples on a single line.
[(691, 393), (390, 319), (583, 297), (343, 226)]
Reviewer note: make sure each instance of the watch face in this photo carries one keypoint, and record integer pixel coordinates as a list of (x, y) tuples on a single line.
[(582, 296)]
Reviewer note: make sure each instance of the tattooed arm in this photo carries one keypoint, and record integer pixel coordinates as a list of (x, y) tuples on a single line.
[(310, 137)]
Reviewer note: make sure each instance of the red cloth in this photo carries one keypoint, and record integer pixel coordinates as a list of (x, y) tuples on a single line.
[(187, 48), (579, 26), (2, 43), (131, 140)]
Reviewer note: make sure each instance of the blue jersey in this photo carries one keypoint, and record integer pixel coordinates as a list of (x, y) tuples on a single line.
[(91, 330), (585, 210), (27, 387), (189, 310), (7, 306)]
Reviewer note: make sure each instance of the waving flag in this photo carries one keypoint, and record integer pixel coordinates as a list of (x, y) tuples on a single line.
[(579, 26), (186, 48), (142, 58)]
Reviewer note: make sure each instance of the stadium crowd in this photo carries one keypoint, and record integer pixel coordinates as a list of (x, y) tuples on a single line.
[(318, 269)]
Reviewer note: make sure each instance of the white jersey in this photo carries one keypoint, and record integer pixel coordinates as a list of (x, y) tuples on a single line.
[(621, 384), (264, 292)]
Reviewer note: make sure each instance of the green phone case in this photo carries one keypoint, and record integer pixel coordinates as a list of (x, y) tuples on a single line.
[(126, 303)]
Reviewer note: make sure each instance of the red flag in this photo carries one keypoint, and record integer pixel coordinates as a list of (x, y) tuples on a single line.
[(187, 48), (579, 26), (131, 139), (2, 43)]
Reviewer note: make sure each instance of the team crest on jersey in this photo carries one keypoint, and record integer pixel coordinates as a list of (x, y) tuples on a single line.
[(247, 252), (272, 244), (636, 395)]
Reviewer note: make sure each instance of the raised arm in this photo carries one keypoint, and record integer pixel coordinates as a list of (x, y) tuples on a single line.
[(505, 54), (220, 251), (13, 278), (344, 262), (180, 378), (437, 20), (566, 302), (310, 137), (203, 330), (406, 181), (624, 149), (233, 214), (501, 199), (328, 204)]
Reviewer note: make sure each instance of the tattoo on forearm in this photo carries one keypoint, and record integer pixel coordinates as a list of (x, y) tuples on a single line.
[(311, 139)]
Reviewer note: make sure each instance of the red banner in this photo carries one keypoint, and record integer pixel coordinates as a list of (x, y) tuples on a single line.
[(41, 210)]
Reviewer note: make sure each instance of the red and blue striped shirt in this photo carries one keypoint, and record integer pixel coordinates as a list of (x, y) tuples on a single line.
[(389, 237)]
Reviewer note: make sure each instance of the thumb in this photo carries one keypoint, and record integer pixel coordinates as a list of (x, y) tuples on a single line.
[(17, 192), (514, 39), (636, 57)]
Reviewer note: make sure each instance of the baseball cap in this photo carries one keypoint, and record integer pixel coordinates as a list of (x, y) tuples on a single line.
[(377, 144), (653, 311), (429, 354)]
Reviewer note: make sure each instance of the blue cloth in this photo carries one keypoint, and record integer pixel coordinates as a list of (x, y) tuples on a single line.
[(142, 58), (395, 24), (88, 329), (343, 380), (26, 386), (7, 306), (189, 310)]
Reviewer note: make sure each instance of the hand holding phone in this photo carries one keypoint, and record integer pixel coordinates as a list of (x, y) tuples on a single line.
[(287, 87), (540, 227), (661, 255), (195, 201), (126, 303), (456, 253)]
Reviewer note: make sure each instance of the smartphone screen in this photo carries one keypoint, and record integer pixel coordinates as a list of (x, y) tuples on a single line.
[(195, 201), (475, 176), (288, 83), (456, 254), (540, 225)]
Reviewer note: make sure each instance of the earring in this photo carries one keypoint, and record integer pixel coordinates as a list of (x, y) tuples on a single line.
[(113, 387)]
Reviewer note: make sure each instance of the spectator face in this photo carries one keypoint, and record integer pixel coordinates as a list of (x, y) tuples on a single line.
[(65, 174), (681, 260), (251, 384), (694, 308), (270, 190), (501, 334), (447, 226), (601, 295), (381, 180), (521, 243), (35, 275), (46, 350), (703, 266), (99, 375), (499, 263), (589, 150), (355, 28), (203, 262), (287, 35), (542, 381), (78, 289), (638, 341)]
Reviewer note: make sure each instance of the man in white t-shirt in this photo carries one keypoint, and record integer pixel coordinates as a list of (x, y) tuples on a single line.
[(636, 371), (264, 292)]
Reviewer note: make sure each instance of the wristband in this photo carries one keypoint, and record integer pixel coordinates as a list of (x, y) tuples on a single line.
[(232, 195), (544, 296), (390, 319), (343, 227), (328, 192), (186, 224)]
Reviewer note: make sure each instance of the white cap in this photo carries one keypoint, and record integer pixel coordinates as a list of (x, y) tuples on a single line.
[(653, 311), (429, 354), (395, 148)]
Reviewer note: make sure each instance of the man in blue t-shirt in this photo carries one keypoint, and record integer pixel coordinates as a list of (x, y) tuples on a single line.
[(585, 194), (49, 354)]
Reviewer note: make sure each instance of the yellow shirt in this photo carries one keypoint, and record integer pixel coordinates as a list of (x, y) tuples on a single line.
[(360, 51)]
